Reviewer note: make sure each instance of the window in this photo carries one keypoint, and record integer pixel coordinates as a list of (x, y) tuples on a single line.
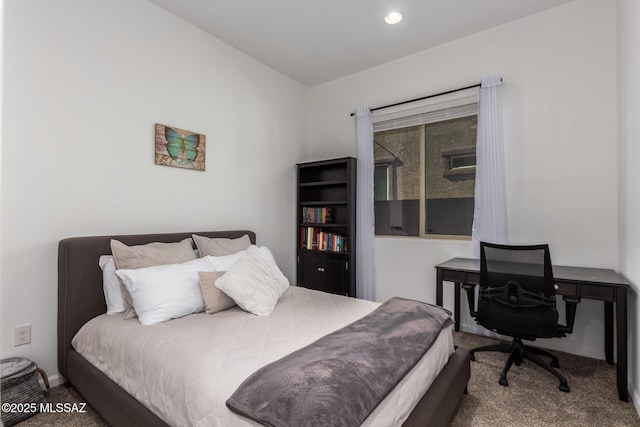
[(425, 162), (381, 182), (460, 161)]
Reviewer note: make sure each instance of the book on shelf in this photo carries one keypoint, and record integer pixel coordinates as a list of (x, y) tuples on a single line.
[(314, 238), (317, 215)]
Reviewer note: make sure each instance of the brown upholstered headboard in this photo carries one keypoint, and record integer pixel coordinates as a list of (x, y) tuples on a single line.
[(80, 294)]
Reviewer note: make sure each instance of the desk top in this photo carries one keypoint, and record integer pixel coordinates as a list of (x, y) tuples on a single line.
[(560, 272)]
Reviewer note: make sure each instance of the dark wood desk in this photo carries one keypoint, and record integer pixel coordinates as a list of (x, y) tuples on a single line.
[(591, 283)]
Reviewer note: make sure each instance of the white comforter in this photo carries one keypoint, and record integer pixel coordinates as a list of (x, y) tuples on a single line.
[(185, 369)]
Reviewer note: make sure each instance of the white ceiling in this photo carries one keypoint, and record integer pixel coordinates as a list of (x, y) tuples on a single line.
[(315, 41)]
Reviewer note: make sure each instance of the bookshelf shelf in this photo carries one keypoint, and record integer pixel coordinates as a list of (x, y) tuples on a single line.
[(322, 183), (323, 224), (346, 254), (324, 203), (326, 225)]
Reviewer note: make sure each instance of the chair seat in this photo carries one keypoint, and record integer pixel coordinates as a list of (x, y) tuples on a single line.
[(527, 337), (528, 323)]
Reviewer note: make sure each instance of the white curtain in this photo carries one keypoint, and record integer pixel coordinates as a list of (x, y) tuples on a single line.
[(365, 254), (490, 212)]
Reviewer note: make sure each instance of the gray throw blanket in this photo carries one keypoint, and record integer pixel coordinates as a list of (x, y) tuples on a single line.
[(340, 379)]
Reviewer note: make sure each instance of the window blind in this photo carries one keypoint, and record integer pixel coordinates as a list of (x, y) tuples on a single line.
[(447, 107)]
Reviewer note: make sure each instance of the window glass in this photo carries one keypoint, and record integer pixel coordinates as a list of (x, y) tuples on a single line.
[(425, 178), (450, 190)]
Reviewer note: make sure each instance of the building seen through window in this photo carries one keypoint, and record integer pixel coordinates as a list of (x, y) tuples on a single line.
[(425, 175)]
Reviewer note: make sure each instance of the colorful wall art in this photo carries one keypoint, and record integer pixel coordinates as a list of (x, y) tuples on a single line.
[(179, 148)]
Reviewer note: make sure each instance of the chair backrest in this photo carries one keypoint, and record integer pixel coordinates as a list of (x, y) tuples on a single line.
[(517, 294), (529, 265)]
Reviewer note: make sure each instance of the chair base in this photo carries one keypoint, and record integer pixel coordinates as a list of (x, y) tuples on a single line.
[(517, 352)]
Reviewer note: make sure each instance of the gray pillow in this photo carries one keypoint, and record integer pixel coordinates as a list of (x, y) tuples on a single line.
[(214, 299), (221, 246)]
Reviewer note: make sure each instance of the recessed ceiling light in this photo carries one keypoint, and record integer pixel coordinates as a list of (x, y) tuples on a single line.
[(393, 18)]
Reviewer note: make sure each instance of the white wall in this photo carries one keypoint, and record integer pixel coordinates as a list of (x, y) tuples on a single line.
[(629, 155), (559, 71), (84, 82)]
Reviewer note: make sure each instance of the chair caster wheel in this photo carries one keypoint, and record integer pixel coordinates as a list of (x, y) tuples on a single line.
[(503, 381), (564, 387)]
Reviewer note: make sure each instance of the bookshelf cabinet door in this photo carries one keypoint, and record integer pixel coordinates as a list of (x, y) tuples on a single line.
[(336, 274), (323, 272), (311, 270)]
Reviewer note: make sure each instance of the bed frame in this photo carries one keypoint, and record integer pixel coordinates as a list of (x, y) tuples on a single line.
[(81, 298)]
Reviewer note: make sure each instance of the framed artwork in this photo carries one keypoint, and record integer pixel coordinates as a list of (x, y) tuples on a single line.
[(180, 148)]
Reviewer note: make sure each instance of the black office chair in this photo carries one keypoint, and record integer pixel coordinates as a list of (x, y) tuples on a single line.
[(517, 299)]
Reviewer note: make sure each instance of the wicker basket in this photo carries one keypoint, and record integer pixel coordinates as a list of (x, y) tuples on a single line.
[(21, 392)]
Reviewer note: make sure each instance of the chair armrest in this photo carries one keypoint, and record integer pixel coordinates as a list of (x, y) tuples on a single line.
[(571, 305), (471, 298)]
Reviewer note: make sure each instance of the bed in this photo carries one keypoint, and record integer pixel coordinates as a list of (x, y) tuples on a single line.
[(81, 299)]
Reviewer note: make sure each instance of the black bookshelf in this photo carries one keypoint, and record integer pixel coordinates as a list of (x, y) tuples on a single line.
[(326, 222)]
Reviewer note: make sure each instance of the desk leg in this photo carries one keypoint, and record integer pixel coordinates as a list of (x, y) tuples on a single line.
[(439, 298), (621, 344), (456, 307), (608, 332)]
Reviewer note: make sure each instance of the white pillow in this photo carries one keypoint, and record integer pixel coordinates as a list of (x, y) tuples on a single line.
[(255, 282), (111, 286), (225, 262), (166, 292)]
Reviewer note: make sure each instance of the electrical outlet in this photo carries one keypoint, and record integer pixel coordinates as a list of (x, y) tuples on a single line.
[(21, 335)]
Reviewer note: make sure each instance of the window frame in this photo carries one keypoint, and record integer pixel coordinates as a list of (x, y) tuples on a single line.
[(400, 116)]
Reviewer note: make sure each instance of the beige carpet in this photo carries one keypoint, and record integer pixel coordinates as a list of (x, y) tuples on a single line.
[(62, 394), (532, 398)]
